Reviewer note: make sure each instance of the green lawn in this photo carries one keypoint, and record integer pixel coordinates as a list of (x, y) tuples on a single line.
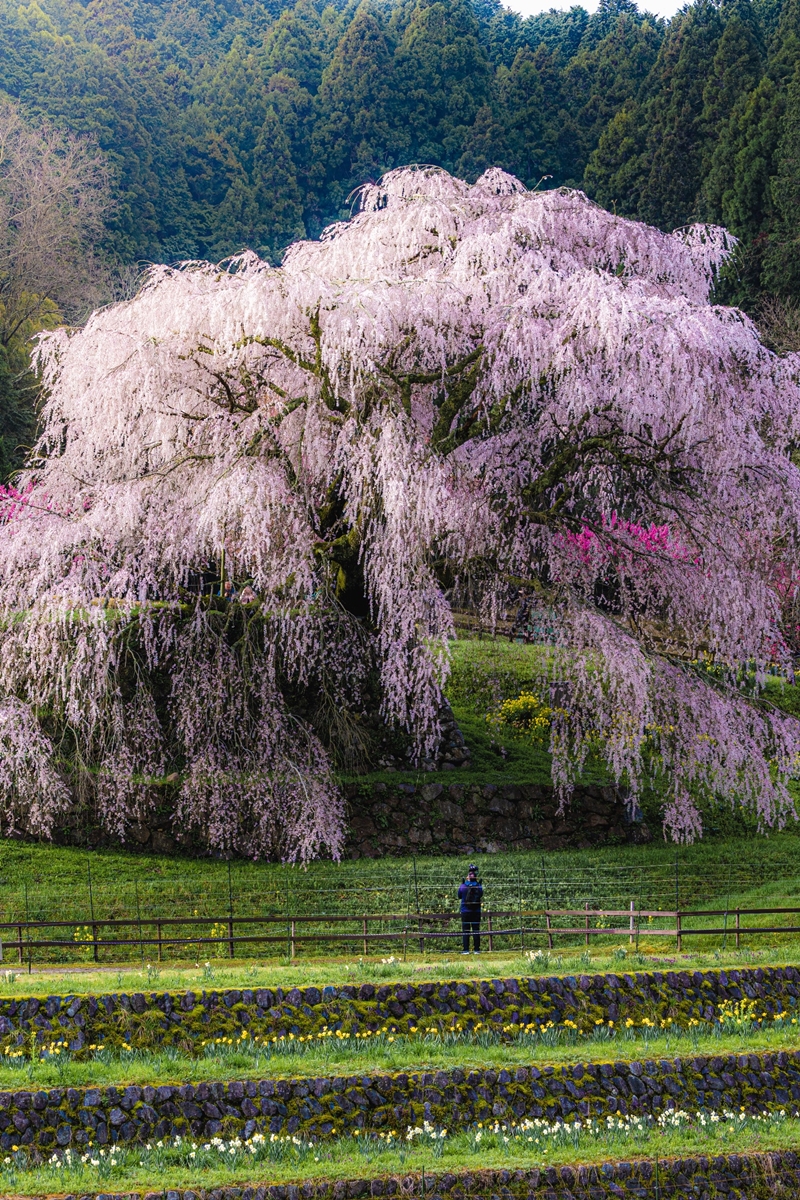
[(218, 974), (484, 672), (68, 883)]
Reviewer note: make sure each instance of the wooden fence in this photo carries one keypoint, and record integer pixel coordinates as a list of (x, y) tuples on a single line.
[(231, 932)]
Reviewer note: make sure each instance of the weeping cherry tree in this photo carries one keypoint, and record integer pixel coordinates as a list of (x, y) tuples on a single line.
[(461, 388)]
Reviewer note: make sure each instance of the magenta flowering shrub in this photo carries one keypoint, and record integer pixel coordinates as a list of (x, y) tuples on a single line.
[(459, 387), (591, 549), (12, 501)]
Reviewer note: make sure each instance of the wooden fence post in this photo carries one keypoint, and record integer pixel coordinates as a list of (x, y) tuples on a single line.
[(91, 909), (230, 912), (549, 931), (19, 941), (630, 939), (678, 931), (139, 919), (28, 927)]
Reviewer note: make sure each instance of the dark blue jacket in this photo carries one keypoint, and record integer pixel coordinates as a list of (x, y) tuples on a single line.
[(473, 890)]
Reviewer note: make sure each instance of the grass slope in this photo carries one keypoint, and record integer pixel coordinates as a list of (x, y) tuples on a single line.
[(54, 882), (484, 672), (58, 883)]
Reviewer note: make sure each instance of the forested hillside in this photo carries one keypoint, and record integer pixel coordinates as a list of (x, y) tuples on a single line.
[(231, 122), (241, 123), (237, 122)]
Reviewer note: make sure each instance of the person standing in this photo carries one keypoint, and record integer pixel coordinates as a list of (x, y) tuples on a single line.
[(470, 893)]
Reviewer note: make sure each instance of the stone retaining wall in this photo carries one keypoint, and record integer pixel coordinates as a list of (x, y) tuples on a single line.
[(188, 1018), (402, 819), (324, 1107), (772, 1176), (386, 819)]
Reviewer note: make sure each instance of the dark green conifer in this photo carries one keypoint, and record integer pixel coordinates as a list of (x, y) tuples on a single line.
[(735, 70), (300, 43), (781, 272), (536, 131), (276, 191), (442, 79), (676, 142), (353, 133), (616, 55), (736, 189), (616, 171)]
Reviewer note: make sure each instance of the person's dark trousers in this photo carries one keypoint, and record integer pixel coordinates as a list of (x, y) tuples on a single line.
[(471, 924)]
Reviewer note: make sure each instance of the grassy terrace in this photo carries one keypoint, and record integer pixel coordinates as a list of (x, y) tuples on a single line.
[(484, 672), (216, 975), (327, 1057), (738, 869), (183, 1163), (68, 883)]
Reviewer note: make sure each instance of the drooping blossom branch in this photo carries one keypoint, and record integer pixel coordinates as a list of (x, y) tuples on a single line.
[(34, 794)]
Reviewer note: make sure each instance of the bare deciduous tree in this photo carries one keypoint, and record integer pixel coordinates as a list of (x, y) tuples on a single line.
[(779, 323), (54, 193)]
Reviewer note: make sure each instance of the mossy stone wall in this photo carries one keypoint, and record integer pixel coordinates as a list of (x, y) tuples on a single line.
[(323, 1107), (386, 819), (188, 1018), (773, 1176)]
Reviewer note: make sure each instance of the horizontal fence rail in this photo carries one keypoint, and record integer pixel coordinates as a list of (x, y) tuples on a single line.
[(229, 932)]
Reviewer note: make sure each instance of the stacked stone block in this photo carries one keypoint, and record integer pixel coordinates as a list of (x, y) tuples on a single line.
[(324, 1106), (434, 818)]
